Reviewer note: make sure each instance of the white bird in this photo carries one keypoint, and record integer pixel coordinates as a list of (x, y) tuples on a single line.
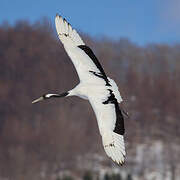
[(101, 91)]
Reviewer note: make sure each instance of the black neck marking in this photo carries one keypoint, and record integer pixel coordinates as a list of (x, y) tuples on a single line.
[(119, 126), (62, 95), (90, 53), (56, 95)]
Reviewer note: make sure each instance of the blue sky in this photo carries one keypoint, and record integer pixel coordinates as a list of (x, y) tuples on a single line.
[(142, 21)]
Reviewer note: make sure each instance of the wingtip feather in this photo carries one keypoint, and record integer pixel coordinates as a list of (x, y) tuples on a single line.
[(114, 147), (64, 29)]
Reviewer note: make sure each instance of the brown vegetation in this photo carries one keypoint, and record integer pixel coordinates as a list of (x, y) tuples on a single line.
[(33, 62)]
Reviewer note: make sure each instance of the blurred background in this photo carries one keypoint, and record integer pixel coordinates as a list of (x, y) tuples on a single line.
[(137, 43)]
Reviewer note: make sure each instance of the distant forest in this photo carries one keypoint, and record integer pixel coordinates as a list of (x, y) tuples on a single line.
[(33, 62)]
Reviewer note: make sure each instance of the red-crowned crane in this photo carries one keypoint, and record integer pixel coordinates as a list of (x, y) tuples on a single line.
[(101, 91)]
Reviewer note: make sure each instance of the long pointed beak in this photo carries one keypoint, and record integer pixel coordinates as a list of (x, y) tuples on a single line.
[(37, 100)]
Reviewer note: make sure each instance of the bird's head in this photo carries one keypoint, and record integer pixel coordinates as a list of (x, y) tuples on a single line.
[(43, 97)]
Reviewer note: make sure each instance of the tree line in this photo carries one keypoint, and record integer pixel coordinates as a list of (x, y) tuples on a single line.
[(54, 133)]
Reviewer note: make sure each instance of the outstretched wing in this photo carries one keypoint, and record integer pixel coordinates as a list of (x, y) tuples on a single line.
[(83, 58), (111, 126)]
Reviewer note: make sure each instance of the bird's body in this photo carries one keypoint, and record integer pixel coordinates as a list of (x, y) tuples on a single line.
[(101, 91)]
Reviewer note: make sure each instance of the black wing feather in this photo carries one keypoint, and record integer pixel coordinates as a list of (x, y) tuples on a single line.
[(90, 53), (119, 126)]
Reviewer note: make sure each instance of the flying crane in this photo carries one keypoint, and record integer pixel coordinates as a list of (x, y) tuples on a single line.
[(101, 91)]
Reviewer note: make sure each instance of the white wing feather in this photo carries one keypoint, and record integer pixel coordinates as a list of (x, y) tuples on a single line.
[(113, 143), (82, 62), (115, 90), (66, 33)]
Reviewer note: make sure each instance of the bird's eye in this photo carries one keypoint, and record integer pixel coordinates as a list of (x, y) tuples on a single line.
[(45, 96)]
